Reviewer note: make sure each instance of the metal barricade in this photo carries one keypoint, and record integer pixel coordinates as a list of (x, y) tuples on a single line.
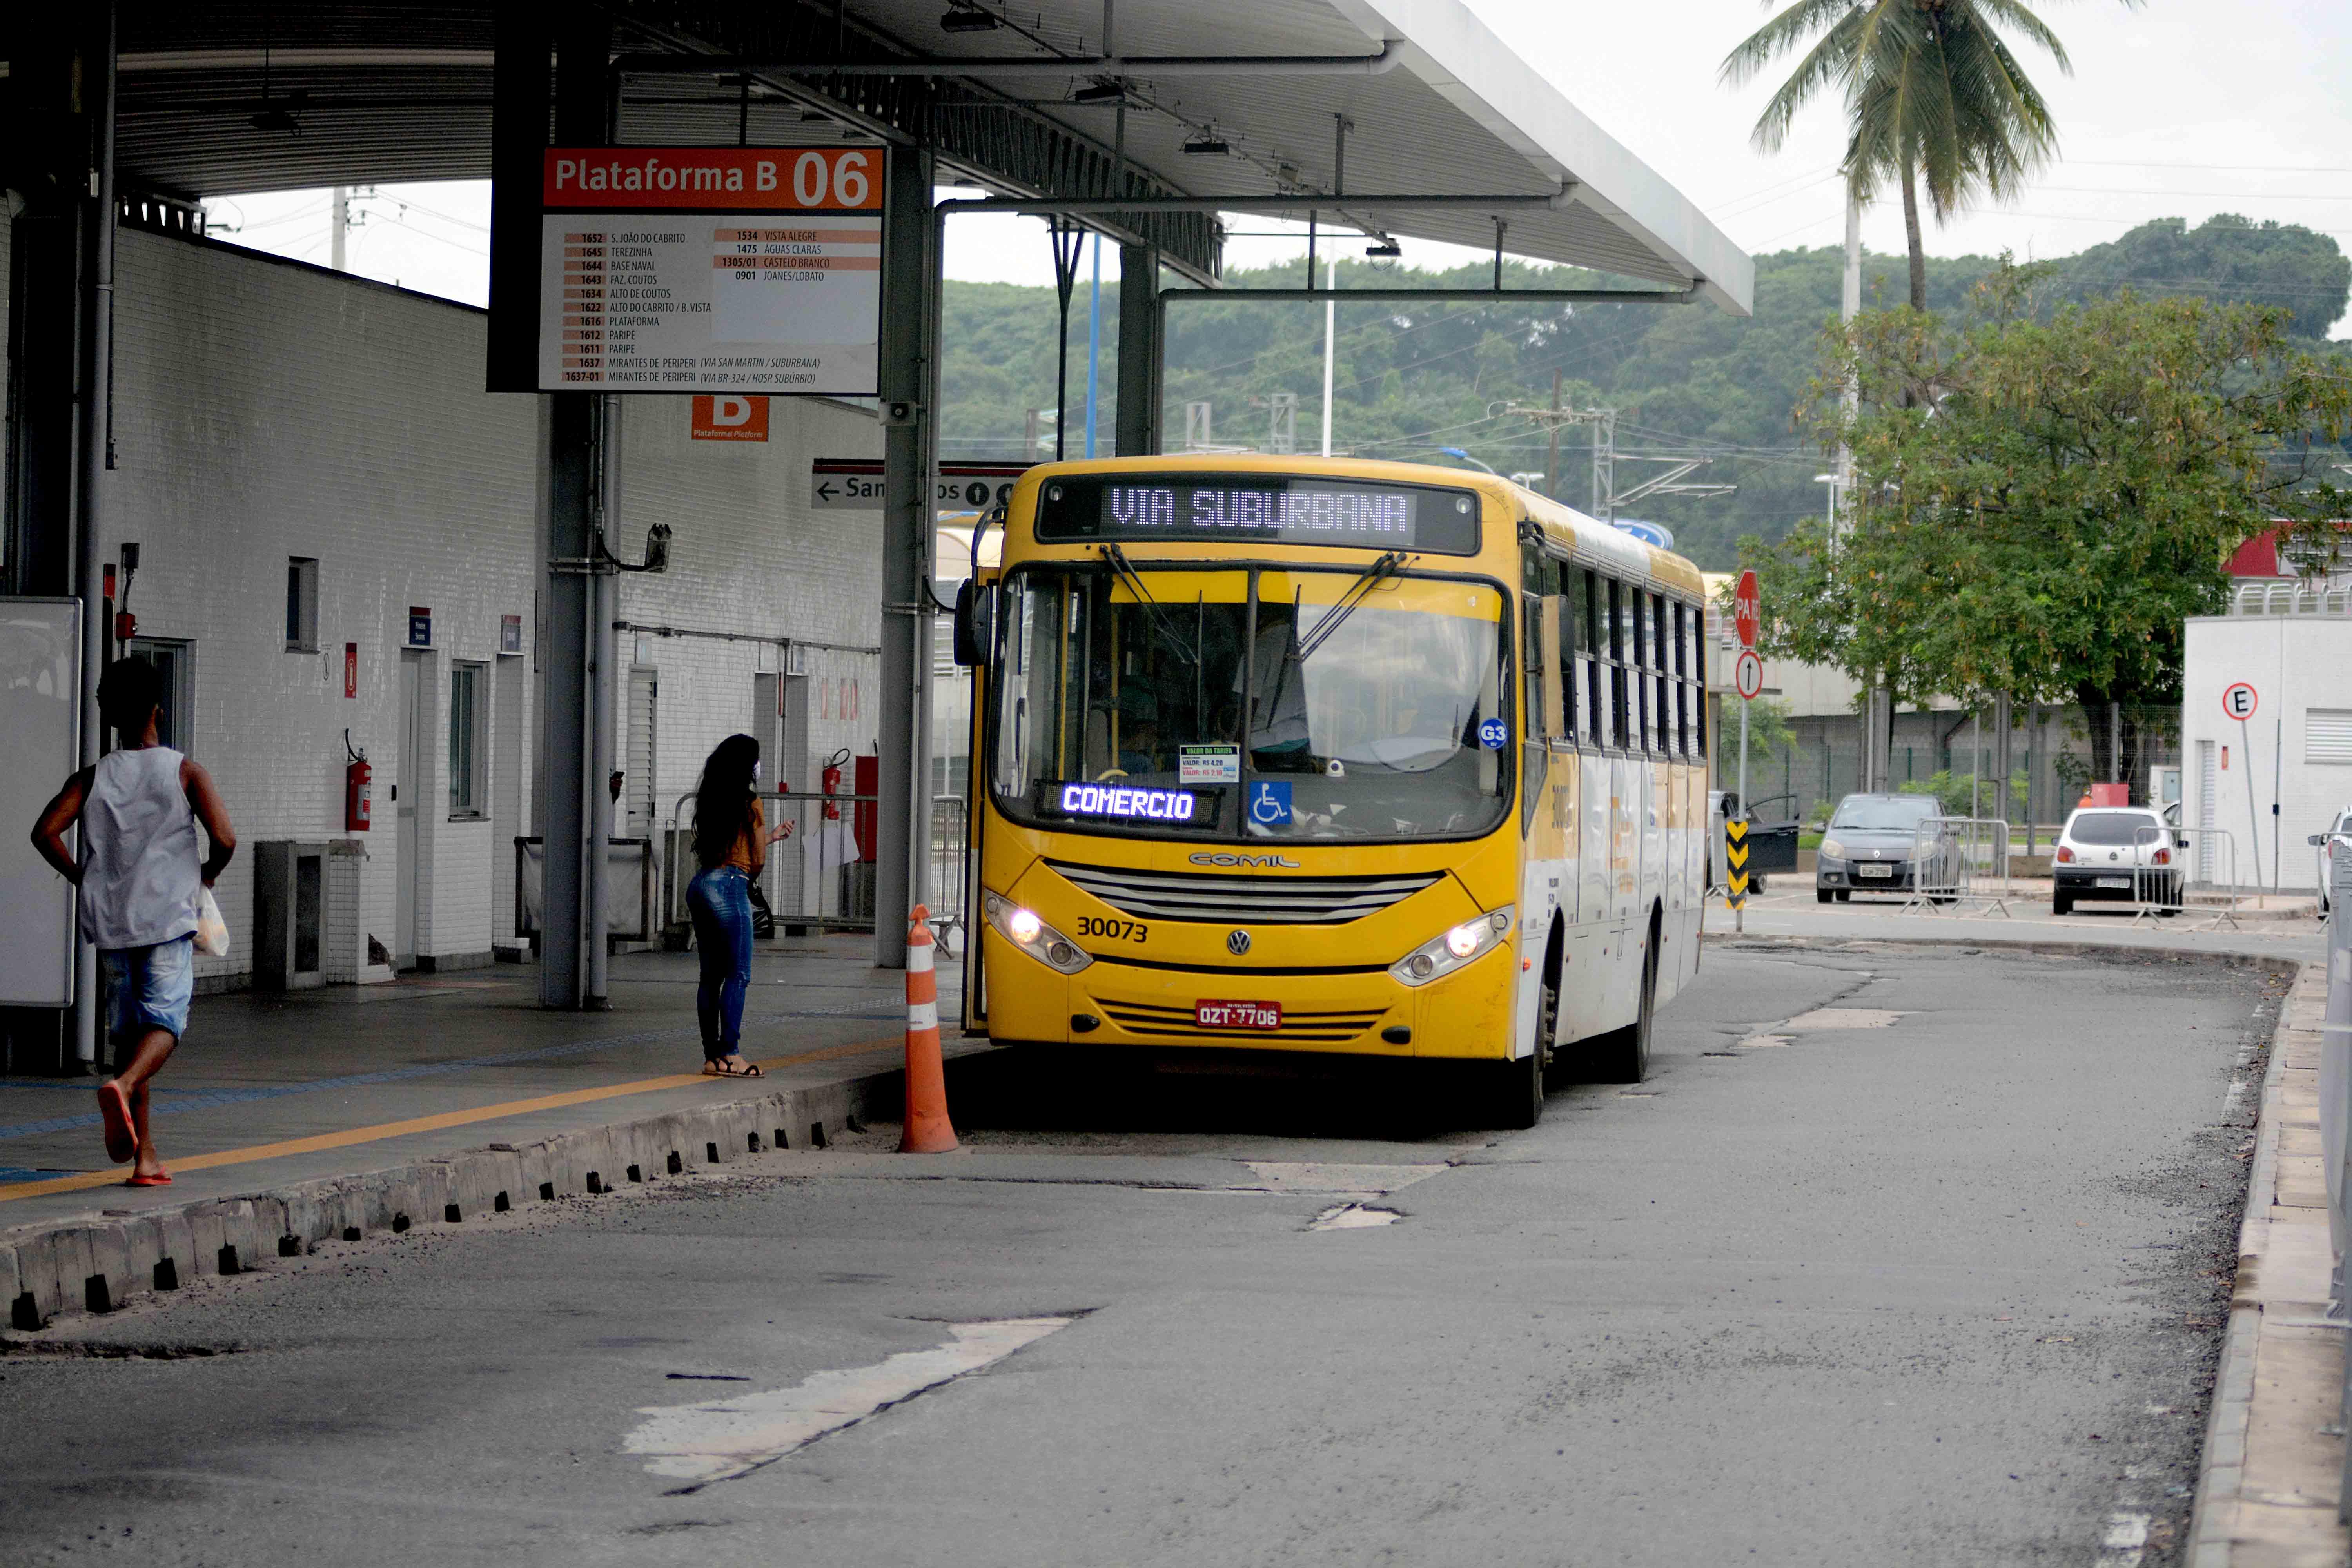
[(1959, 861), (2334, 1116), (820, 876), (2170, 865)]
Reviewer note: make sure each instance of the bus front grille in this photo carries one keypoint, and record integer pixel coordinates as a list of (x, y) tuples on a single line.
[(1242, 900), (1156, 1023)]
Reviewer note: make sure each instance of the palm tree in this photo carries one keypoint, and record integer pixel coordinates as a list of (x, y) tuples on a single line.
[(1933, 95)]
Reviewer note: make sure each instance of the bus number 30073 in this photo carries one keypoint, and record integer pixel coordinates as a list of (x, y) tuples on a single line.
[(1118, 930)]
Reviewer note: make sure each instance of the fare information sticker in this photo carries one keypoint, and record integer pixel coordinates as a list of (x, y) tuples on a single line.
[(736, 270)]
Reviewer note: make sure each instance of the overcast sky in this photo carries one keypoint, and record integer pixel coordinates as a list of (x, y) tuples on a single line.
[(2180, 108)]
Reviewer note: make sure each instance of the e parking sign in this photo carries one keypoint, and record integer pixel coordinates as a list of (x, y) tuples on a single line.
[(2238, 701)]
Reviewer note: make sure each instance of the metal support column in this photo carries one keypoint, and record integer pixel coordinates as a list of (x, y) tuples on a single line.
[(1142, 329), (571, 926), (60, 132), (94, 426), (909, 282)]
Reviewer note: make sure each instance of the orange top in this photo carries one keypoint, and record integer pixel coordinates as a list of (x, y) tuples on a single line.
[(750, 850)]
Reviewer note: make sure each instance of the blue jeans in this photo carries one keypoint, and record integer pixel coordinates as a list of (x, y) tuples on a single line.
[(721, 901)]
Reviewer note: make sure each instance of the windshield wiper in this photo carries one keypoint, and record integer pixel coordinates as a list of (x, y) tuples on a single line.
[(1124, 569), (1386, 566)]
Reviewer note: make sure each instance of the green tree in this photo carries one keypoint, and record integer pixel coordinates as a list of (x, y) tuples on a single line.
[(2226, 256), (1933, 96), (2040, 503)]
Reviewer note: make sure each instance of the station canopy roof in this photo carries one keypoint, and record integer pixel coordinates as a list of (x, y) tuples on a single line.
[(217, 99)]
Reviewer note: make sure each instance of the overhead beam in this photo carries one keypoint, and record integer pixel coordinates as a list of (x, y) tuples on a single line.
[(1540, 296), (1149, 67), (1079, 206)]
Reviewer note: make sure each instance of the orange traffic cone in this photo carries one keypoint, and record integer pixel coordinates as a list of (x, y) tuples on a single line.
[(929, 1131)]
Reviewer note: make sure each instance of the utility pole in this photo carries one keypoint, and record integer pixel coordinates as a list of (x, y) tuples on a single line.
[(1551, 468)]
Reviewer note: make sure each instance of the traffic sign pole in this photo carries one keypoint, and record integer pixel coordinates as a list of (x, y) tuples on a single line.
[(1739, 907), (2239, 700)]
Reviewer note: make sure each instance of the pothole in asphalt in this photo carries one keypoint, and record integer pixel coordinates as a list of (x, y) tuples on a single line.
[(1353, 1216), (718, 1439), (1844, 1018)]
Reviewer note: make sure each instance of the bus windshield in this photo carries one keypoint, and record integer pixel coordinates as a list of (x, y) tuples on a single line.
[(1251, 702)]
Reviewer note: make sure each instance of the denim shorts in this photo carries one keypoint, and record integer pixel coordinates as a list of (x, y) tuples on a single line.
[(148, 988)]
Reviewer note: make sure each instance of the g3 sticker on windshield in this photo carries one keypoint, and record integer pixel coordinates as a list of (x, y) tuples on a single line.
[(1492, 733)]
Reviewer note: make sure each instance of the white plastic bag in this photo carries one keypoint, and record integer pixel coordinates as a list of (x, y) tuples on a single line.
[(211, 931)]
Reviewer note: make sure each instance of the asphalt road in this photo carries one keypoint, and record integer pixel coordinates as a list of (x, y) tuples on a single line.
[(1943, 1291)]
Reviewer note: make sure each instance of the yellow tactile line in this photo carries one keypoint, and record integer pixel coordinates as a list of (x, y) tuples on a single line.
[(350, 1136)]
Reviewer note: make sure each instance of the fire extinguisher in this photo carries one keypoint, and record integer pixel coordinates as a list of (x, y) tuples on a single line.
[(833, 782), (356, 789)]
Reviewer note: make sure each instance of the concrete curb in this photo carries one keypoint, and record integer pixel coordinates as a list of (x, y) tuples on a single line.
[(56, 1268), (2269, 1476)]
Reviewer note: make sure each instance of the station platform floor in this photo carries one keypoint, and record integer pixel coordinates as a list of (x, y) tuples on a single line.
[(270, 1088)]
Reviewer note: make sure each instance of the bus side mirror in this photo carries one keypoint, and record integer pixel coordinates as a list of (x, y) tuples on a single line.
[(974, 623)]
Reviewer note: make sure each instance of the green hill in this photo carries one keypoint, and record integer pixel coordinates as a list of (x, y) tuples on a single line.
[(1686, 380)]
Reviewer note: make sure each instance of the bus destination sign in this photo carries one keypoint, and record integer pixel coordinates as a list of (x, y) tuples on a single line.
[(1273, 508), (711, 270)]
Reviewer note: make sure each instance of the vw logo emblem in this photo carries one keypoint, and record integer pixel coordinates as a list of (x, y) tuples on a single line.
[(1237, 943)]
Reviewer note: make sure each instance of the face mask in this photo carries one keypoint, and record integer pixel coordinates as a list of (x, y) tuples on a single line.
[(755, 773)]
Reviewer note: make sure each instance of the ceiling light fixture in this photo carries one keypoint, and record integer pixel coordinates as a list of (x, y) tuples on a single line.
[(963, 21), (1207, 145), (1389, 248), (1100, 92)]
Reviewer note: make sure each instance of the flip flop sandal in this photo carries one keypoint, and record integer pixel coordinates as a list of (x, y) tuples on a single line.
[(114, 1114), (721, 1069), (160, 1179)]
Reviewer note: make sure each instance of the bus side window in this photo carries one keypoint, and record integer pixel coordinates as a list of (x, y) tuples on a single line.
[(1679, 614), (1620, 733), (1697, 682), (1565, 663), (1535, 583), (1545, 668), (1582, 589)]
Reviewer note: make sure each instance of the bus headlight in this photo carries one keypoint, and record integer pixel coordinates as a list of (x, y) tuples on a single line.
[(1444, 953), (1033, 936)]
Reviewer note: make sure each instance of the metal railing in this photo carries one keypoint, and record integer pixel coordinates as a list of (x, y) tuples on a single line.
[(2163, 880), (2292, 598), (1960, 860), (819, 876), (2335, 1115)]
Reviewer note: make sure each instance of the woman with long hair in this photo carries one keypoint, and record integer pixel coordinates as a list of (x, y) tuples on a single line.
[(730, 845)]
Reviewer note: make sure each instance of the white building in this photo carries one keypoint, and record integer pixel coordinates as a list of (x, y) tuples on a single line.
[(2292, 752), (338, 534)]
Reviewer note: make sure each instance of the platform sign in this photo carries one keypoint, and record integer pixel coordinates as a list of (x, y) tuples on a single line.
[(711, 269)]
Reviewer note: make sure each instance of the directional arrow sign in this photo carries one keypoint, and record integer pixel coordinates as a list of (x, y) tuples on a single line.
[(854, 484), (1735, 853)]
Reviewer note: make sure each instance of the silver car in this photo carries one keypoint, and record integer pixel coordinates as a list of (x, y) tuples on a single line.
[(1869, 844)]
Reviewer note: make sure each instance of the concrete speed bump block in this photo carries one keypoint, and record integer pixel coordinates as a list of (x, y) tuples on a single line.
[(210, 1234), (110, 1262), (178, 1249)]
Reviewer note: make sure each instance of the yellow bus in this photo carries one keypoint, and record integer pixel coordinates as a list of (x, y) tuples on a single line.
[(1322, 755)]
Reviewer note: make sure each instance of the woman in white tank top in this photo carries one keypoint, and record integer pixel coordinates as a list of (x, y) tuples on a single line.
[(141, 879)]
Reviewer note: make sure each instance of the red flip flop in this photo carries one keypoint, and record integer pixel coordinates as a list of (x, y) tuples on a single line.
[(114, 1113), (160, 1179)]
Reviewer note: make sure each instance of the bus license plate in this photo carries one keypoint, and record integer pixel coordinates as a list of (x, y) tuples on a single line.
[(1237, 1014), (1874, 870)]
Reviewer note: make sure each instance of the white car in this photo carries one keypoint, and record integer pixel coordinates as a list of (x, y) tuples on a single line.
[(2115, 852), (2325, 847)]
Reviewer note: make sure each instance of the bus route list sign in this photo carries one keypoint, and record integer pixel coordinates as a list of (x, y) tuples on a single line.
[(736, 270)]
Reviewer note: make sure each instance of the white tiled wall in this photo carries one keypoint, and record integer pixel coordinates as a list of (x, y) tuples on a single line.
[(265, 410)]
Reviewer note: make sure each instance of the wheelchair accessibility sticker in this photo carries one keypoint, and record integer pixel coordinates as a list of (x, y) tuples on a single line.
[(1492, 733), (1269, 805)]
